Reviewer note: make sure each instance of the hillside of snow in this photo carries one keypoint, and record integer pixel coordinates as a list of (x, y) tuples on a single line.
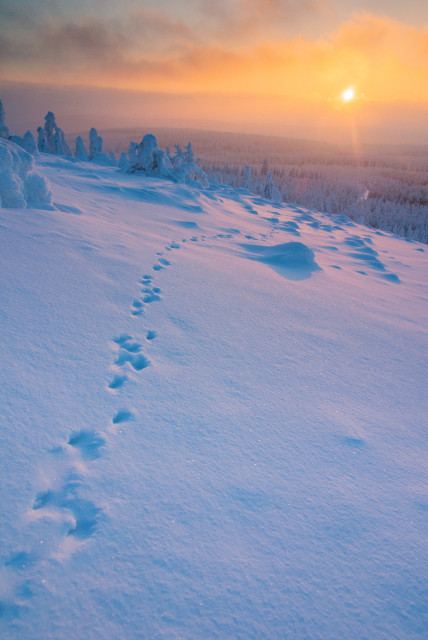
[(213, 413)]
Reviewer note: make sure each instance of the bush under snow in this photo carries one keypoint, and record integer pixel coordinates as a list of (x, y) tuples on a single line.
[(20, 185)]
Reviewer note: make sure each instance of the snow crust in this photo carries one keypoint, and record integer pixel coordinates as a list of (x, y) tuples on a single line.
[(198, 442)]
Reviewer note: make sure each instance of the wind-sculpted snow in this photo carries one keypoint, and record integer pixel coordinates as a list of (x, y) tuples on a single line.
[(20, 185), (293, 260)]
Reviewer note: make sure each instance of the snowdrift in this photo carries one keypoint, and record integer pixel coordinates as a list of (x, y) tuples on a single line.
[(293, 260)]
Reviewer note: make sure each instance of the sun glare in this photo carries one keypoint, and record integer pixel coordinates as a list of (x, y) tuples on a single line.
[(348, 94)]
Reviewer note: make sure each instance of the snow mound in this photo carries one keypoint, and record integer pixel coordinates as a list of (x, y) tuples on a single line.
[(20, 185), (293, 260)]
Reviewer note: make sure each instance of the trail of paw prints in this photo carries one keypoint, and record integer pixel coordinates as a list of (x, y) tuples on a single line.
[(62, 514), (148, 293), (161, 262)]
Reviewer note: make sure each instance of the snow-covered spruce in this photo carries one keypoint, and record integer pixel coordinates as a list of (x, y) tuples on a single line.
[(81, 153), (147, 158), (270, 192), (4, 131), (96, 153), (51, 138), (20, 185), (27, 142)]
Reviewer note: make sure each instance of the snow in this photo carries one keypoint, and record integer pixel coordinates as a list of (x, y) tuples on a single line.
[(27, 142), (213, 417), (293, 260), (20, 185)]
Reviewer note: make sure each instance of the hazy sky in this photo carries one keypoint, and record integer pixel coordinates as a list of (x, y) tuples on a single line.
[(280, 59)]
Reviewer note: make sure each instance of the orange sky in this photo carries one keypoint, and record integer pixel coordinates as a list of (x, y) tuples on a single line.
[(269, 50)]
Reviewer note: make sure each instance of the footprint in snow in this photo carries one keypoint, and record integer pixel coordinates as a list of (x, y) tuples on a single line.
[(117, 382), (88, 442), (129, 352), (123, 415), (137, 361), (81, 515), (137, 307)]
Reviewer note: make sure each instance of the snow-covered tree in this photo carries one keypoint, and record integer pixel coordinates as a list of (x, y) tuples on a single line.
[(61, 147), (49, 128), (42, 143), (189, 156), (123, 161), (95, 144), (96, 152), (81, 153), (4, 131), (247, 177), (265, 167), (51, 138), (20, 185), (147, 158), (269, 186), (178, 159), (28, 142)]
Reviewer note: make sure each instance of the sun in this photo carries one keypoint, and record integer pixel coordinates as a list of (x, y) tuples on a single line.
[(348, 94)]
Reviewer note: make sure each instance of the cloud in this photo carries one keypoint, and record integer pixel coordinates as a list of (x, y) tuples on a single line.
[(149, 50), (256, 20)]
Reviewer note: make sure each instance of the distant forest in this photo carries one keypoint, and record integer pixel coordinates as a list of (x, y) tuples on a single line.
[(384, 187)]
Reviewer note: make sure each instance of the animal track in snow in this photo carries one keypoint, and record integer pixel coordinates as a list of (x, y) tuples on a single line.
[(84, 513), (123, 415), (131, 347), (124, 337), (150, 335), (137, 361), (89, 443), (150, 296), (117, 382), (137, 307)]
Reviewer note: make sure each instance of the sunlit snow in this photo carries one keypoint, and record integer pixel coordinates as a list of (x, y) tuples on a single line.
[(212, 414)]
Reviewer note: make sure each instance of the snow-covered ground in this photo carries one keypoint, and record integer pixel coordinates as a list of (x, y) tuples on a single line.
[(212, 417)]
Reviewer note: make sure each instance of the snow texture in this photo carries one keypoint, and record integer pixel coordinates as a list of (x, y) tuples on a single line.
[(213, 415)]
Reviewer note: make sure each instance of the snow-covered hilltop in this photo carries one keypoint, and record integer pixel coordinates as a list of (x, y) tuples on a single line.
[(212, 415)]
